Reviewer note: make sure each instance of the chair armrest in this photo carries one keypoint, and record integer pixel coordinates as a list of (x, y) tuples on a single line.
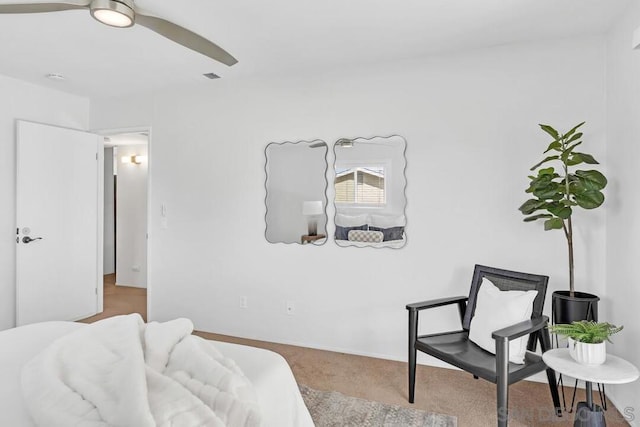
[(417, 306), (521, 328)]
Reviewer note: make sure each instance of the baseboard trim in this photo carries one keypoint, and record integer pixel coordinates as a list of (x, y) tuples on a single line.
[(122, 285)]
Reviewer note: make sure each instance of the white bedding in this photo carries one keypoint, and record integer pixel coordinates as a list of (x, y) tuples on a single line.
[(278, 397)]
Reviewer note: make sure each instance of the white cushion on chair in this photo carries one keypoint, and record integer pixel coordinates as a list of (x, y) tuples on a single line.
[(496, 309)]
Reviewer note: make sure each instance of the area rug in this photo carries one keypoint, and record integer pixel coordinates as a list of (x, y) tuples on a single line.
[(333, 409)]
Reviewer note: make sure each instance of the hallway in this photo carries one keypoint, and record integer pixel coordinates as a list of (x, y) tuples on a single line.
[(120, 300)]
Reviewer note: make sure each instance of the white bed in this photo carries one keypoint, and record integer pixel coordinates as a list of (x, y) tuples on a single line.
[(278, 396)]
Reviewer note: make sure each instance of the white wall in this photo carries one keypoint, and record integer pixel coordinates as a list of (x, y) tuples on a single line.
[(20, 100), (131, 218), (470, 122), (623, 213), (109, 252)]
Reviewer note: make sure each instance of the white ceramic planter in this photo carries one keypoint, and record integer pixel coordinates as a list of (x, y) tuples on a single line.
[(588, 354)]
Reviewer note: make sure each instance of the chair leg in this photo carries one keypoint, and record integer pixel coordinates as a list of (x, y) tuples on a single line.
[(413, 335), (545, 344), (502, 383), (560, 385), (551, 376)]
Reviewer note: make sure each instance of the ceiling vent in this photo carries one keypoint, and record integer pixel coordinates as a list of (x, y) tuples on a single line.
[(211, 76), (55, 76)]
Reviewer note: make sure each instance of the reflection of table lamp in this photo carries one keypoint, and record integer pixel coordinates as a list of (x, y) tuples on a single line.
[(312, 210)]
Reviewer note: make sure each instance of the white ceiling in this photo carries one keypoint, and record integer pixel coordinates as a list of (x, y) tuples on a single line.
[(275, 37)]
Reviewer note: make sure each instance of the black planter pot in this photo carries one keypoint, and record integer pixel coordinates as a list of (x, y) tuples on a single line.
[(581, 306)]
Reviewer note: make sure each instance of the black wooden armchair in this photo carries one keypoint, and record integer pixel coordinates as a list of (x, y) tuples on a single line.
[(456, 349)]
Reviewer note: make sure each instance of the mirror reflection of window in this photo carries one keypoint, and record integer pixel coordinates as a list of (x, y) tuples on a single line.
[(369, 192), (296, 192), (363, 185)]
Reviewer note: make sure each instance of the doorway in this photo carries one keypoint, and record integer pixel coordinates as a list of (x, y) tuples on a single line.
[(126, 186)]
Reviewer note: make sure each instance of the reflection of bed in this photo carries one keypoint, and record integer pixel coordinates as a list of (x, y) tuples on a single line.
[(369, 230), (279, 399)]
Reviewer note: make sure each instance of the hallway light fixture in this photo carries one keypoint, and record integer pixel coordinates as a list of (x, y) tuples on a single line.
[(135, 159)]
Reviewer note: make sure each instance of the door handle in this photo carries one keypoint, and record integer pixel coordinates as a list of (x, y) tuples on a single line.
[(27, 239)]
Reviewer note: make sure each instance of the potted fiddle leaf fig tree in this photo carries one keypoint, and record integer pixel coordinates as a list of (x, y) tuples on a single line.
[(557, 189)]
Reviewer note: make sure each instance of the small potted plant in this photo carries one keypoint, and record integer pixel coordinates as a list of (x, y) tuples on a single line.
[(587, 339)]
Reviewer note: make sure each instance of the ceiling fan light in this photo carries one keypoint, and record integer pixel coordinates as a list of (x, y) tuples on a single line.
[(113, 13)]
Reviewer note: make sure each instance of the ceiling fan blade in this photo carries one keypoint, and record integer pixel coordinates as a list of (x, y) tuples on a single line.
[(43, 7), (185, 37)]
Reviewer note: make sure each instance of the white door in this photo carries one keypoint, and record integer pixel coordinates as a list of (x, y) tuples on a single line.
[(59, 221)]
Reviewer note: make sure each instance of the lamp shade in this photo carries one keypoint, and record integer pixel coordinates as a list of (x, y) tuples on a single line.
[(312, 208)]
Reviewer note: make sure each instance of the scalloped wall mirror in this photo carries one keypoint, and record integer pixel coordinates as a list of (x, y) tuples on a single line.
[(370, 196), (296, 183)]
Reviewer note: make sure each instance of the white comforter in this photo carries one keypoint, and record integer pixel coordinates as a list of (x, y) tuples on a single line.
[(123, 372)]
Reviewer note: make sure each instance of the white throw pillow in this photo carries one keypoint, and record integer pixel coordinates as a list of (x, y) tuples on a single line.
[(351, 220), (496, 309)]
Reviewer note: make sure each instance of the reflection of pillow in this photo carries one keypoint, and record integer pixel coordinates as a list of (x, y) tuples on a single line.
[(342, 233), (365, 236), (496, 309), (393, 233), (388, 221), (351, 220)]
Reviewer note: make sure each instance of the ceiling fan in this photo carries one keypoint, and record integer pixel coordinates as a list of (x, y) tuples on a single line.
[(124, 13)]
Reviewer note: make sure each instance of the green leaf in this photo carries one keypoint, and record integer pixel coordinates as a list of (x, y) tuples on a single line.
[(548, 159), (531, 206), (544, 187), (547, 192), (555, 145), (568, 202), (573, 138), (589, 199), (548, 171), (560, 210), (541, 180), (553, 224), (566, 153), (591, 179), (535, 217), (568, 134), (580, 158), (551, 131)]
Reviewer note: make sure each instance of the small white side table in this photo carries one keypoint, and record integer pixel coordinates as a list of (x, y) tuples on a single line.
[(614, 371)]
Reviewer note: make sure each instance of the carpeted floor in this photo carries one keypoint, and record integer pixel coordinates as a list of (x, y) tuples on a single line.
[(334, 409)]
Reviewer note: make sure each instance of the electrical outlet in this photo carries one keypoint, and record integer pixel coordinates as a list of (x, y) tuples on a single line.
[(290, 307), (243, 302)]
